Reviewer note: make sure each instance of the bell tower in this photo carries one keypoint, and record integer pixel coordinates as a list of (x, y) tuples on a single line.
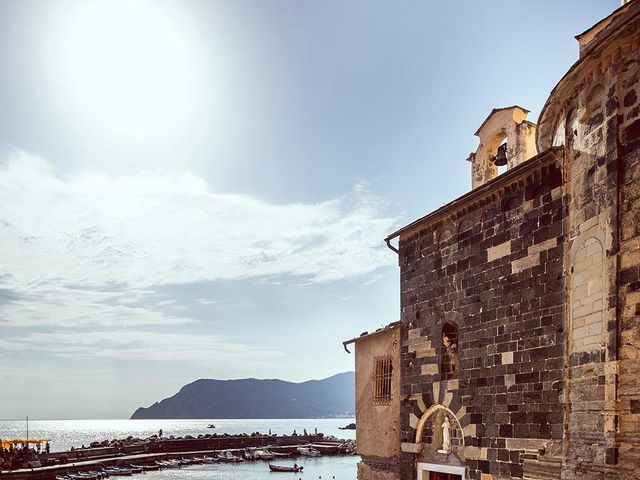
[(506, 140)]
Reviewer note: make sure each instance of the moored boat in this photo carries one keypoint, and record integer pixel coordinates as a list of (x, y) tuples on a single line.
[(327, 448), (117, 471), (227, 456), (264, 454), (284, 468), (308, 451), (147, 468)]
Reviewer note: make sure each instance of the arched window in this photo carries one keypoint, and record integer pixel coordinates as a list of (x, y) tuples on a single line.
[(449, 366)]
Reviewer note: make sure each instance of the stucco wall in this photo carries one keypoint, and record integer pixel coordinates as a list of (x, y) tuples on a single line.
[(378, 431)]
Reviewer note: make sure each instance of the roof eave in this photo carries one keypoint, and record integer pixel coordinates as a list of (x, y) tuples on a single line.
[(477, 191)]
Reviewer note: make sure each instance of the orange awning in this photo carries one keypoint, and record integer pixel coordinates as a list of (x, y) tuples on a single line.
[(6, 443)]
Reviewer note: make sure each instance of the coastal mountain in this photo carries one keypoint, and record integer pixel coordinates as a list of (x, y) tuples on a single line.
[(253, 398)]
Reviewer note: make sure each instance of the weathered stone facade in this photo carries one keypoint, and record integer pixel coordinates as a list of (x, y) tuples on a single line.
[(520, 301)]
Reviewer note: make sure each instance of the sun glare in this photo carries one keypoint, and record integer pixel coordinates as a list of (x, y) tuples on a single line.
[(126, 68)]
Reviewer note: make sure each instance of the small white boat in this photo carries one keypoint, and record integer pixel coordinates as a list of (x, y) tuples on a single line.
[(258, 454), (309, 452), (264, 454), (227, 456)]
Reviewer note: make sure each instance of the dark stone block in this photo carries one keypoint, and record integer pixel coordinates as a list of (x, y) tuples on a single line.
[(629, 275), (630, 98), (483, 466), (631, 137), (611, 456), (516, 470), (503, 455), (475, 418)]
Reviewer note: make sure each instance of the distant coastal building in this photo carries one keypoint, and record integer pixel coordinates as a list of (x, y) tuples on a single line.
[(517, 354)]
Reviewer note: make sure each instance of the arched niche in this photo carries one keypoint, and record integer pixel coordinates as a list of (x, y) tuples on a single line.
[(511, 203), (465, 228), (587, 293), (428, 430), (445, 236), (425, 246), (593, 102), (489, 218)]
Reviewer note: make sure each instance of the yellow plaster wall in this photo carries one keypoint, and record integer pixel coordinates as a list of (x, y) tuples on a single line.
[(378, 426)]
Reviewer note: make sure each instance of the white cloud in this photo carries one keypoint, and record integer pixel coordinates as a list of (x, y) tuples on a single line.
[(123, 344), (64, 306), (151, 229), (87, 249)]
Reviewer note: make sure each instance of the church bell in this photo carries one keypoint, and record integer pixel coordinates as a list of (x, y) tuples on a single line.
[(500, 159)]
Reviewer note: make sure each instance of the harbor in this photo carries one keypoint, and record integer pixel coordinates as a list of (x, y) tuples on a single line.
[(128, 456)]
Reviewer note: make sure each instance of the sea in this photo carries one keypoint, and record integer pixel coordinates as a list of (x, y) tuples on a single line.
[(64, 434)]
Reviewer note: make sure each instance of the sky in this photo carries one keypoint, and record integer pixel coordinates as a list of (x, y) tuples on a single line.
[(200, 189)]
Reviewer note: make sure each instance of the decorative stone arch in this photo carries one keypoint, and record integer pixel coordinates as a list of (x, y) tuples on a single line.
[(444, 236), (587, 291), (593, 102), (428, 414), (441, 397), (425, 246), (571, 124), (465, 228), (567, 124), (488, 215), (595, 232), (512, 202)]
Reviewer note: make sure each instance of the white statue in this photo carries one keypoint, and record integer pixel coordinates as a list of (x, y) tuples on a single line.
[(446, 436)]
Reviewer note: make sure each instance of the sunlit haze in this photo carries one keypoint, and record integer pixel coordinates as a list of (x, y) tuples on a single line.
[(200, 189)]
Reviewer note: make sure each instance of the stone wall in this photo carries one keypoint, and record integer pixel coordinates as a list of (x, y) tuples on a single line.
[(495, 271), (628, 394), (372, 470), (599, 129)]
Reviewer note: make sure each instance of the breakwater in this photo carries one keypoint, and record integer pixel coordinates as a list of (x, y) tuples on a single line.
[(148, 451)]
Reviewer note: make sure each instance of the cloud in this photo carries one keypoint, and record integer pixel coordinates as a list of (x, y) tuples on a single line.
[(151, 229), (125, 345), (88, 249), (72, 307)]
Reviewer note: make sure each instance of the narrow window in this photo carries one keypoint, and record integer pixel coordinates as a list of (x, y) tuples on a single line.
[(450, 365), (382, 381)]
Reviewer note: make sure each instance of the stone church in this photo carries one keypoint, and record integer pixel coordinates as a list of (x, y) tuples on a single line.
[(517, 353)]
